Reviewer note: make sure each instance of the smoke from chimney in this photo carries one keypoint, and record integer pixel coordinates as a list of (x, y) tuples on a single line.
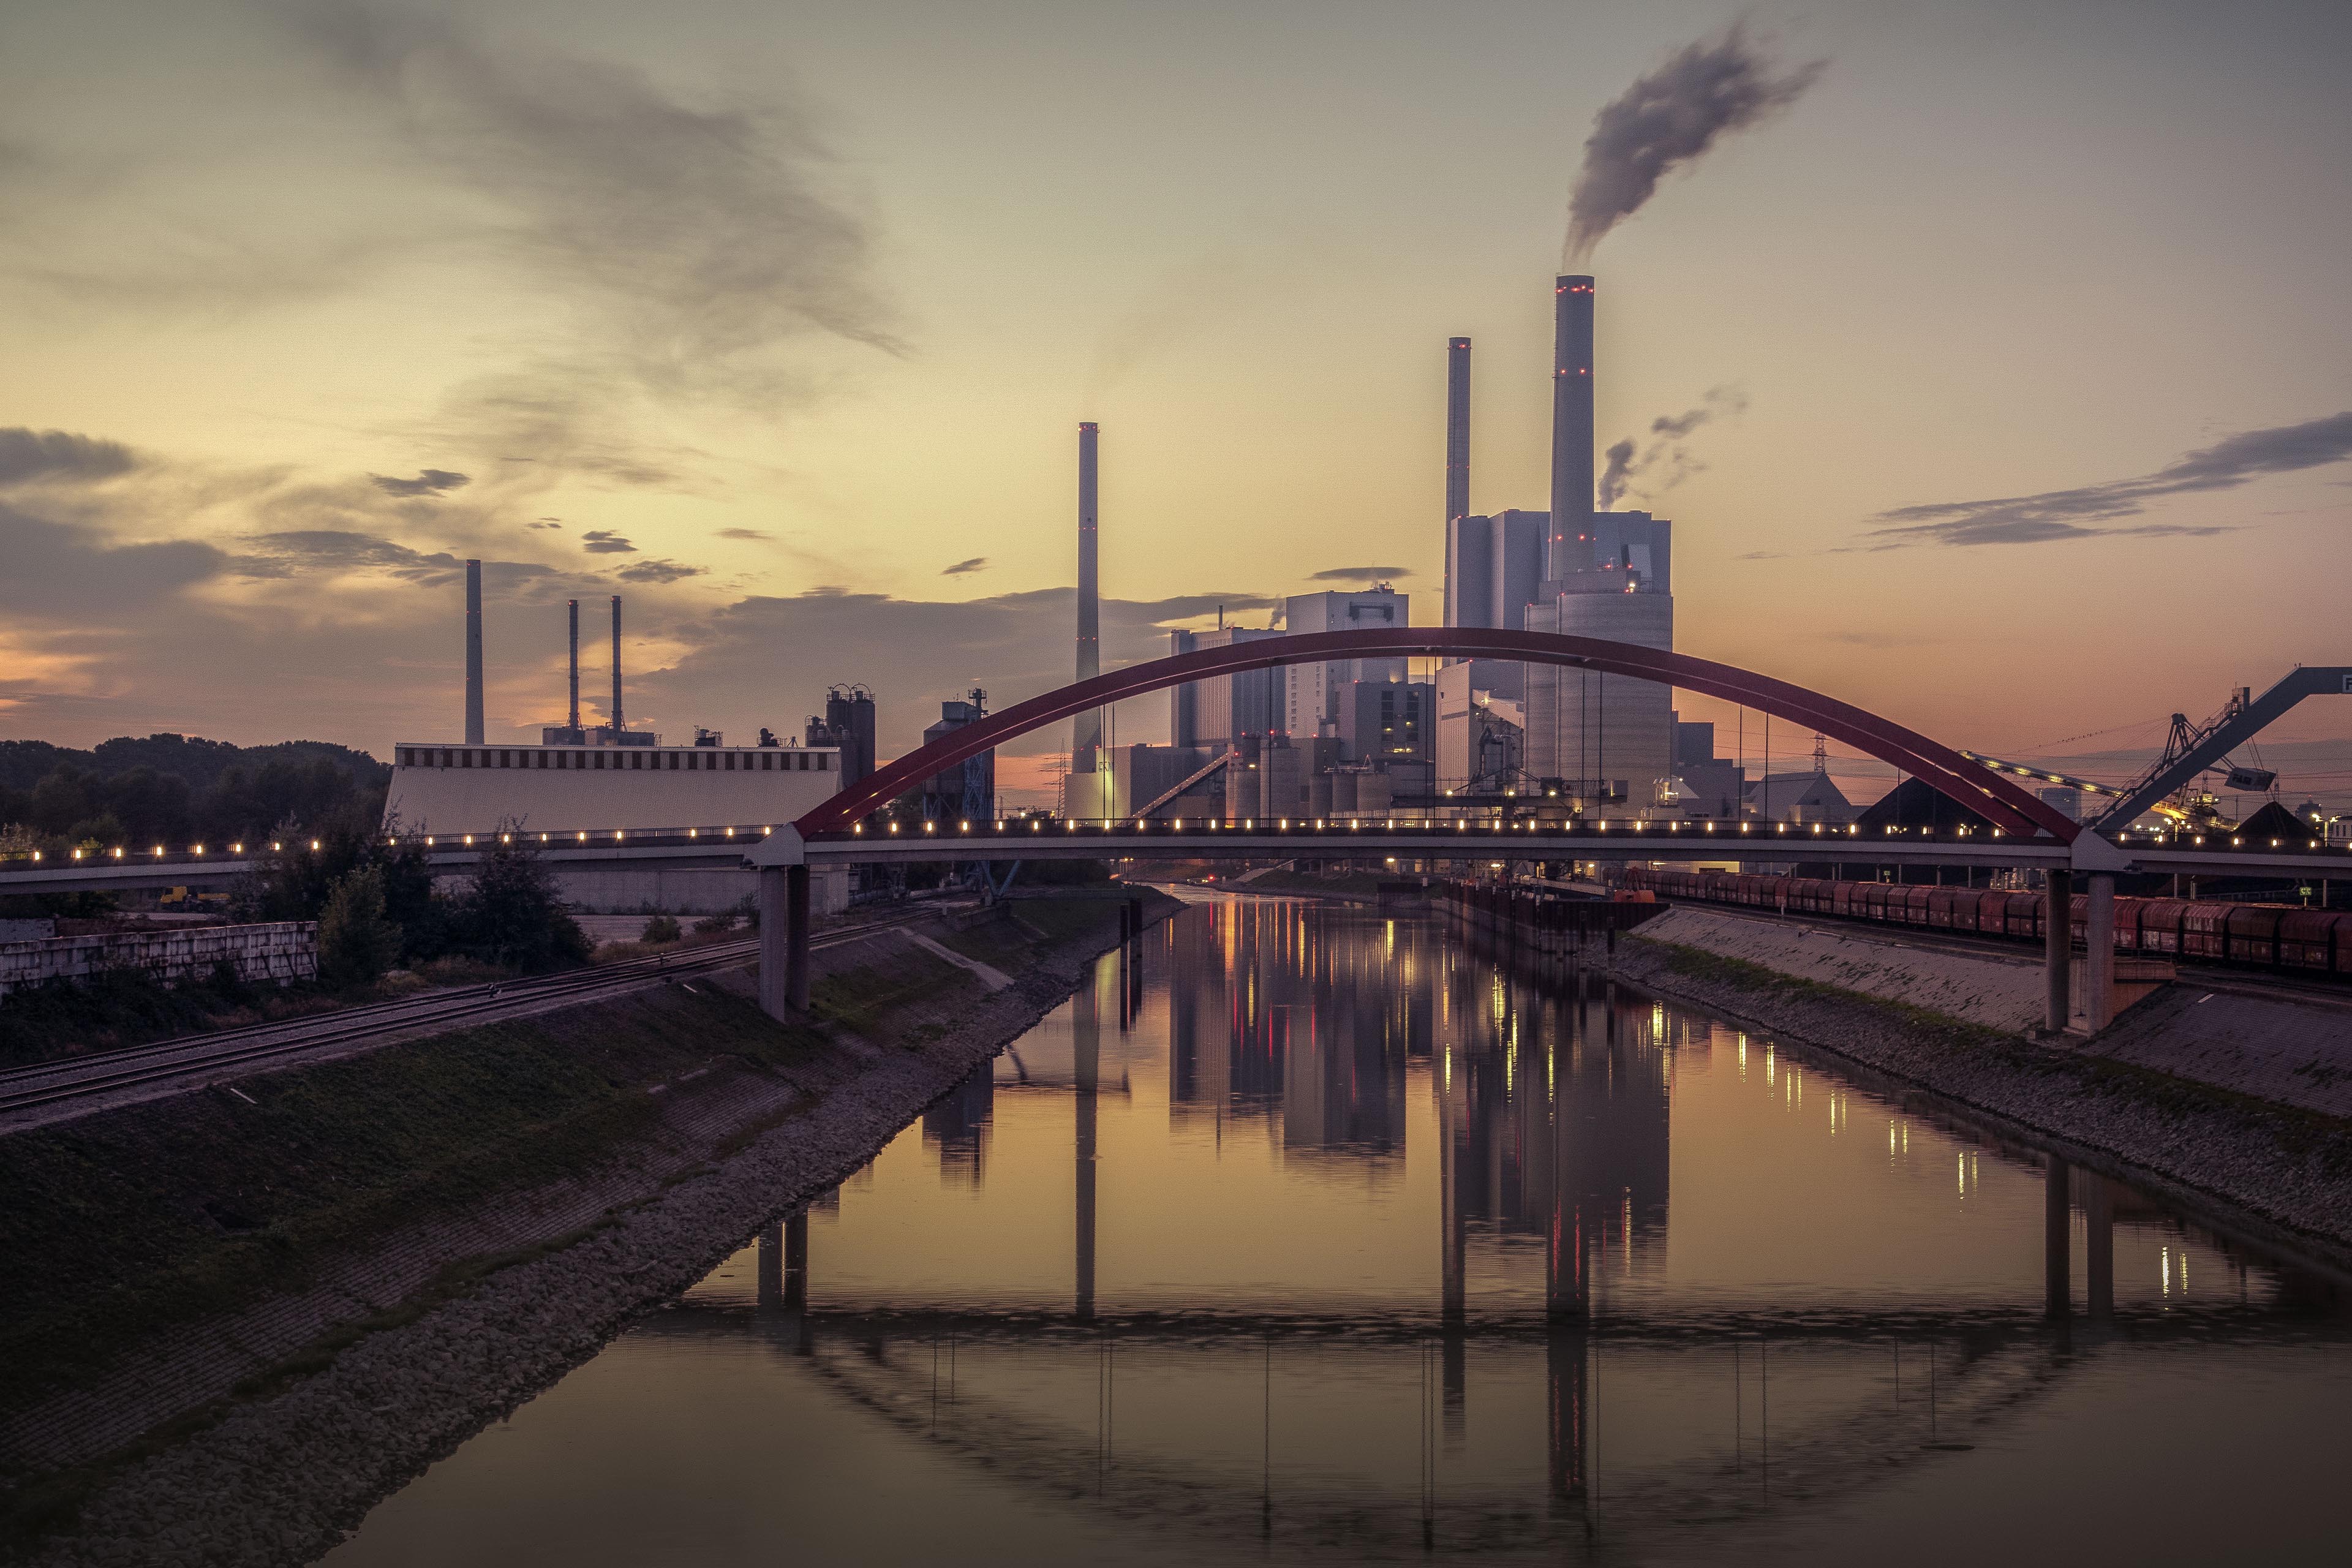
[(1085, 729), (1457, 429), (1629, 461), (473, 653), (616, 664), (1666, 121)]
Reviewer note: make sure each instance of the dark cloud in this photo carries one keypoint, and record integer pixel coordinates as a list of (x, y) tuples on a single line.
[(545, 523), (2089, 511), (599, 542), (699, 235), (657, 572), (1668, 118), (977, 563), (752, 533), (1362, 574), (1665, 462), (429, 483), (57, 455), (66, 570)]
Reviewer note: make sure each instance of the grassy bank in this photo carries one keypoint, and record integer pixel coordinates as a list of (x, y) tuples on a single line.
[(130, 1007), (126, 1223)]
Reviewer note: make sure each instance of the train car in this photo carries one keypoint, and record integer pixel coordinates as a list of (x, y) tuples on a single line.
[(2254, 933), (1944, 907), (2315, 939), (1911, 910), (2205, 931), (2021, 915), (2161, 925)]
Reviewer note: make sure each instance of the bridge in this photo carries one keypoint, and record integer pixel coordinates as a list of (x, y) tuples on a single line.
[(851, 826)]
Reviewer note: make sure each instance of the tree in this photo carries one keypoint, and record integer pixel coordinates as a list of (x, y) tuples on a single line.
[(295, 882), (356, 942), (511, 914)]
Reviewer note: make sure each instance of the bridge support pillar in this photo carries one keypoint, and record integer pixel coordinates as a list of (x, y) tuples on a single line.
[(2099, 954), (2057, 1239), (796, 962), (783, 941), (2058, 946), (795, 1268)]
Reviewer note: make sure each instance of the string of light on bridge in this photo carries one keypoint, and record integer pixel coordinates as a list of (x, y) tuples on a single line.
[(1484, 825)]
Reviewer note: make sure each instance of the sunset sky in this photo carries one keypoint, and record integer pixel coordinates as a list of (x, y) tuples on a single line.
[(779, 320)]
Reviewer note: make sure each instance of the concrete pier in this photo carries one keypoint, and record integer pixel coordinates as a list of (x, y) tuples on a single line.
[(2057, 1239), (2058, 948)]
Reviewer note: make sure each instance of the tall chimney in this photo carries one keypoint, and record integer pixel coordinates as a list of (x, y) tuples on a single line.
[(574, 724), (473, 653), (617, 664), (1457, 429), (1085, 729), (1571, 550)]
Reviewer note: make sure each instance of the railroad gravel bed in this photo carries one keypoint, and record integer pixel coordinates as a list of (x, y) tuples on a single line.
[(283, 1478), (2271, 1173)]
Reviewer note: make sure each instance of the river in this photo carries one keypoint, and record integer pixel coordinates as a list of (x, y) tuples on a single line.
[(1312, 1235)]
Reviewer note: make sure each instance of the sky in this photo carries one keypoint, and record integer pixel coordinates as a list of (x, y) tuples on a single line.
[(2017, 330)]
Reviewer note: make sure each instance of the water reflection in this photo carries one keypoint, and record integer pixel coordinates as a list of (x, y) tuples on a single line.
[(1308, 1232)]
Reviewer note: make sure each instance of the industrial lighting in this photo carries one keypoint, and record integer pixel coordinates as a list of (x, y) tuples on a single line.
[(966, 826), (689, 833), (583, 838), (273, 845), (200, 849), (314, 844), (36, 855), (931, 827), (894, 826), (469, 840), (543, 838), (118, 852)]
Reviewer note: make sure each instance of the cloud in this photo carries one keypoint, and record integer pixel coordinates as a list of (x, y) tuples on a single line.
[(544, 523), (429, 483), (30, 455), (696, 236), (599, 542), (1666, 121), (657, 572), (977, 563), (1666, 454), (751, 533), (1362, 574), (2077, 513), (62, 571)]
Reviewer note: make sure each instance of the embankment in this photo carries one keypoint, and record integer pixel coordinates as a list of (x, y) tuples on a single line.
[(238, 1320), (2169, 1097)]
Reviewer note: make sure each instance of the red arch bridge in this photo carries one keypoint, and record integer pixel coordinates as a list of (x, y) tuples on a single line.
[(2023, 831)]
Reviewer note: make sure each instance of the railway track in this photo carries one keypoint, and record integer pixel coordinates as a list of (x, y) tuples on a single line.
[(50, 1084)]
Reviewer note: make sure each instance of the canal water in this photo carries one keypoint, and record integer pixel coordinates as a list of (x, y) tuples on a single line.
[(1312, 1235)]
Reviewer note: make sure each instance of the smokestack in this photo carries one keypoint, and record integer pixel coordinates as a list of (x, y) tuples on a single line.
[(574, 725), (617, 664), (1457, 429), (1085, 729), (473, 653), (1570, 548)]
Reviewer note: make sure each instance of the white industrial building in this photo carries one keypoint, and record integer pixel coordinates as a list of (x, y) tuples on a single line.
[(440, 788)]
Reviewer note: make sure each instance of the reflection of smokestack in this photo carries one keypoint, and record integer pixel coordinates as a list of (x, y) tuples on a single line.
[(1571, 430), (1085, 729), (574, 724), (617, 664), (473, 653), (1457, 429)]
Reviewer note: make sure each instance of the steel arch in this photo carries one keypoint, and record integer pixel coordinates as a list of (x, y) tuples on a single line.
[(2006, 805)]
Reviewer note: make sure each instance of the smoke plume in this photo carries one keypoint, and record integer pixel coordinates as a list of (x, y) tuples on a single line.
[(1668, 118), (1666, 457)]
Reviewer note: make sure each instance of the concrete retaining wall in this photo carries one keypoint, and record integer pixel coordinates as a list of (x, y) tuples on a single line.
[(282, 950), (1985, 989)]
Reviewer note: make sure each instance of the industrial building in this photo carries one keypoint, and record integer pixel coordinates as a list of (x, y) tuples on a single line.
[(611, 779), (1570, 569)]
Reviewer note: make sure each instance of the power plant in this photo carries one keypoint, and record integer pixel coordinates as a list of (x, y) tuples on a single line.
[(1508, 729)]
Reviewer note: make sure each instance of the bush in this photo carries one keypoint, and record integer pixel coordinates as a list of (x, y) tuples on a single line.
[(356, 942), (661, 928), (711, 925), (511, 915)]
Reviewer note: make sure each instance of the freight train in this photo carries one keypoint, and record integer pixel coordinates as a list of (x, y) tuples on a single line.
[(2265, 936)]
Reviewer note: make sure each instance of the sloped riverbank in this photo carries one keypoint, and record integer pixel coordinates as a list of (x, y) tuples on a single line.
[(543, 1185), (2270, 1169)]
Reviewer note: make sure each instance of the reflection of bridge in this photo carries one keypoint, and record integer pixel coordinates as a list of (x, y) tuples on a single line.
[(1553, 1122)]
